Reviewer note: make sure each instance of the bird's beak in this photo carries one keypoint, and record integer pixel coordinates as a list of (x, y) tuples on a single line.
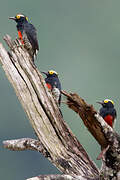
[(13, 18), (44, 73), (100, 102)]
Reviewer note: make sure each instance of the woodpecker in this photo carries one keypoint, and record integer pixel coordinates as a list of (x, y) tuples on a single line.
[(53, 83), (108, 112), (27, 34)]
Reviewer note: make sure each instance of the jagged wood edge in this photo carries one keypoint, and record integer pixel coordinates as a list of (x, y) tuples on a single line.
[(26, 144), (87, 114), (64, 150), (61, 177), (102, 132)]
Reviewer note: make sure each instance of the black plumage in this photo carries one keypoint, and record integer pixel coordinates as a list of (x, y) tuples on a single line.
[(27, 33), (107, 111), (53, 83), (107, 108)]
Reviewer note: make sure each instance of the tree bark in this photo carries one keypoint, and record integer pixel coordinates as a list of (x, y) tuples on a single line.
[(55, 140), (61, 177), (63, 148), (108, 139)]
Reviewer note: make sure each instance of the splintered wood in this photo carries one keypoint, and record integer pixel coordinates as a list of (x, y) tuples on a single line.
[(87, 114), (59, 143)]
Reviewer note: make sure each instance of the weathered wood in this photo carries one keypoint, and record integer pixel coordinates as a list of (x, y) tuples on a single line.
[(87, 114), (111, 162), (26, 144), (102, 132), (61, 177), (64, 150), (55, 139)]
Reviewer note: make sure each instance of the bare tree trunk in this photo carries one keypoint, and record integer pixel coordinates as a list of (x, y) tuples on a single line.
[(55, 140)]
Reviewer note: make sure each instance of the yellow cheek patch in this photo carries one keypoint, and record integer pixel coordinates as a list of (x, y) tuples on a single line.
[(108, 100), (52, 72), (26, 18)]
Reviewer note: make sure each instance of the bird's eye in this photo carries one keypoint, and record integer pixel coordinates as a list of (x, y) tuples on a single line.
[(18, 16), (51, 72), (105, 101)]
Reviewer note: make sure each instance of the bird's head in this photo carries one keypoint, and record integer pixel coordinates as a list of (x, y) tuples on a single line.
[(107, 103), (19, 18), (51, 73)]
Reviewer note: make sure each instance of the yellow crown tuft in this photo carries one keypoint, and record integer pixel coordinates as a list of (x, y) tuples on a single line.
[(18, 16), (108, 100), (52, 72)]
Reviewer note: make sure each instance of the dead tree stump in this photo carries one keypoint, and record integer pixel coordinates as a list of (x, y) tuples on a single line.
[(55, 140)]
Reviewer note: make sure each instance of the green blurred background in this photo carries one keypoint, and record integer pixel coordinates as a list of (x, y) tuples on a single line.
[(80, 39)]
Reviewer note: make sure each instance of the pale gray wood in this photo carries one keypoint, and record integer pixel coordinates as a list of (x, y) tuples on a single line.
[(64, 150), (61, 177), (55, 139)]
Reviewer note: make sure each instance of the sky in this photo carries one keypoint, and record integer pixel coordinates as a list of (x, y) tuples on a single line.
[(80, 39)]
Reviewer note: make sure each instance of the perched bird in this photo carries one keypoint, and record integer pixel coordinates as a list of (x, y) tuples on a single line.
[(27, 34), (53, 83), (108, 112)]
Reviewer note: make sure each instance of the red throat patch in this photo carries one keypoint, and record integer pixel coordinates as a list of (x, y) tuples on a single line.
[(20, 36), (49, 86), (109, 120)]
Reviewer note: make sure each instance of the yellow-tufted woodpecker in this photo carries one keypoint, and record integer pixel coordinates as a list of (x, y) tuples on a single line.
[(27, 34)]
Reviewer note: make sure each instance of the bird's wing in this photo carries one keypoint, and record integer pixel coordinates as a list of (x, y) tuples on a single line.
[(57, 84), (31, 33)]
